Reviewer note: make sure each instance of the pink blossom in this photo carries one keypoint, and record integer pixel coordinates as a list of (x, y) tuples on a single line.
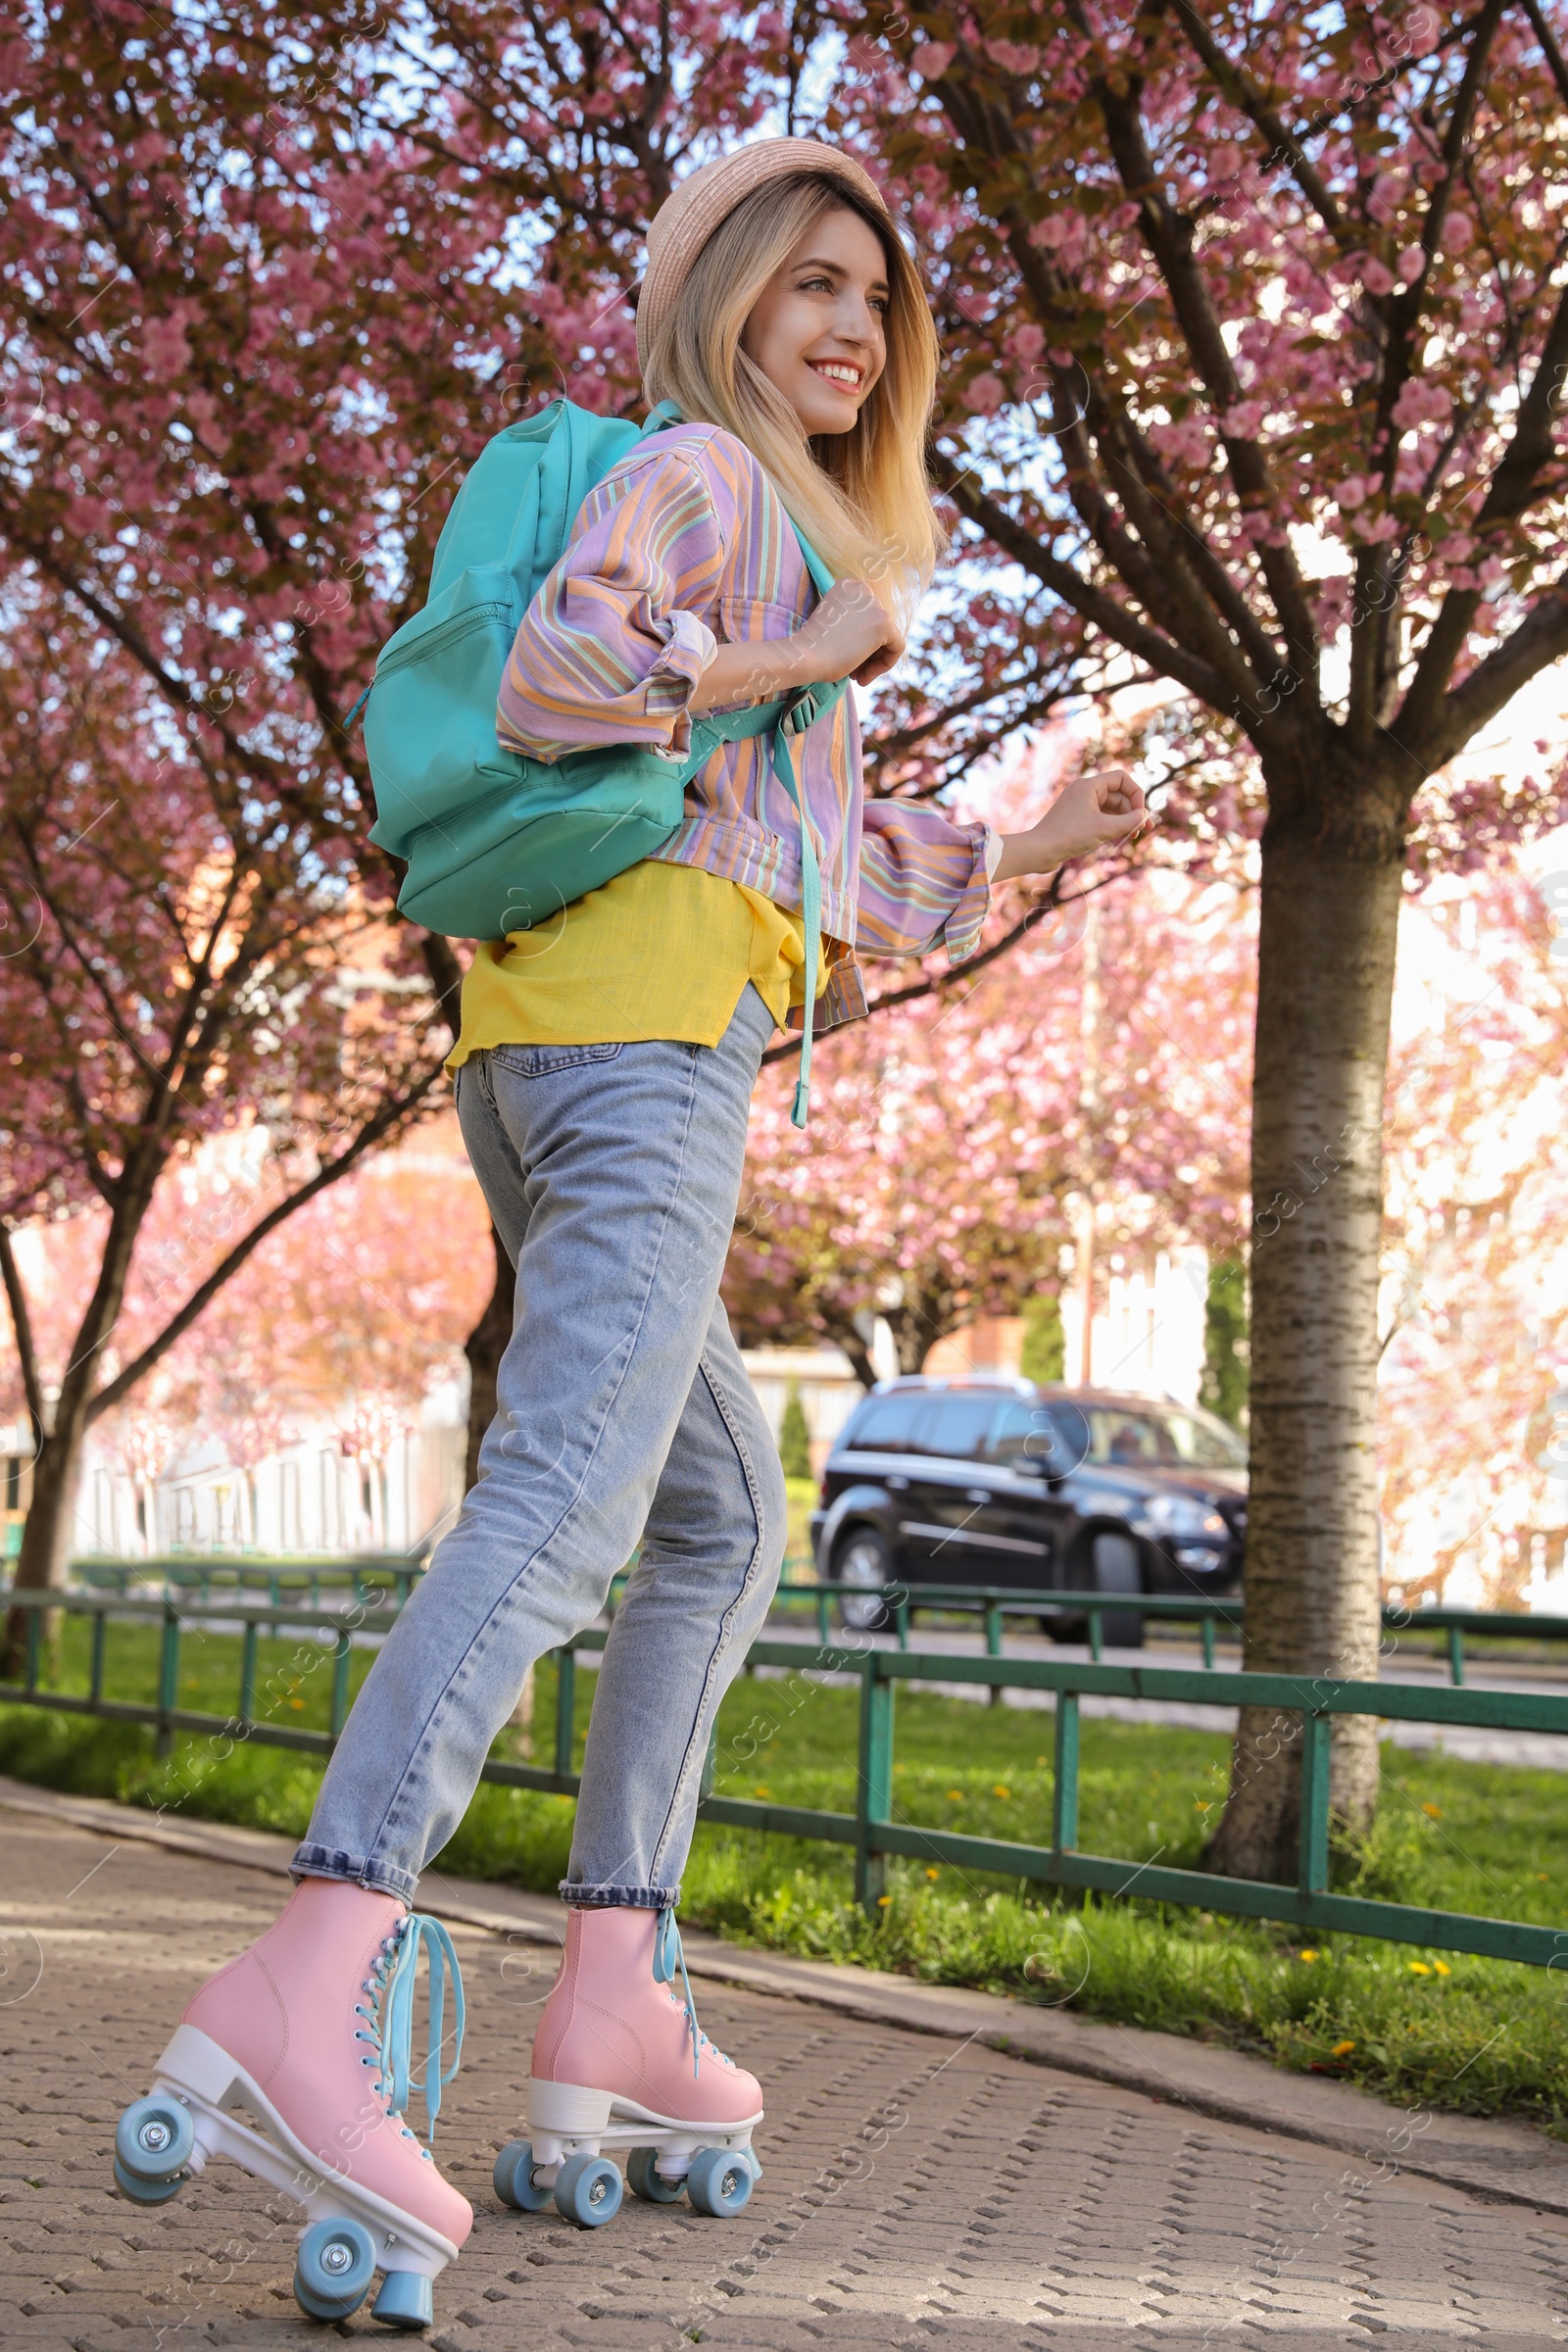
[(164, 350), (1422, 402)]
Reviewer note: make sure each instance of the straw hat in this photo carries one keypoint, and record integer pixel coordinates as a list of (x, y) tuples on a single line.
[(690, 213)]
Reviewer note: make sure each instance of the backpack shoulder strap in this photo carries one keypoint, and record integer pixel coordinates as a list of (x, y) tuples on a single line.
[(789, 715)]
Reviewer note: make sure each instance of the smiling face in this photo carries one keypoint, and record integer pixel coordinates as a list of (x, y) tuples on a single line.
[(818, 329)]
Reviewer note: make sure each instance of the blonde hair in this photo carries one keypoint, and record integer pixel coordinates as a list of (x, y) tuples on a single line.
[(862, 497)]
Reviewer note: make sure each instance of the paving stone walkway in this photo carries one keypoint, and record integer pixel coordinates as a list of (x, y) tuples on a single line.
[(917, 2193)]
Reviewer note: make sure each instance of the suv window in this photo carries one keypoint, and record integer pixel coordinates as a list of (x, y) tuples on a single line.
[(958, 1426), (1027, 1434), (1194, 1440), (886, 1424)]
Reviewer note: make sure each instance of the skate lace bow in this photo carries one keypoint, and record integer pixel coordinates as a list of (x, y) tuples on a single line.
[(668, 1957), (390, 2022)]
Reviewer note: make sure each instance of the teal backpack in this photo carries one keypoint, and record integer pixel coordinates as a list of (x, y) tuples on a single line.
[(493, 842)]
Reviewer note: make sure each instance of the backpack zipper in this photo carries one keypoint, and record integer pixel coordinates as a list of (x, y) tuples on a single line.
[(472, 617)]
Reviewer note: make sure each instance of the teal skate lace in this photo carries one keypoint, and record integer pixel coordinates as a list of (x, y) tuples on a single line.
[(668, 1957), (390, 2022)]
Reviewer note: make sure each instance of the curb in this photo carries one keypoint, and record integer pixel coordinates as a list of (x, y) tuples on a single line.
[(1500, 2160)]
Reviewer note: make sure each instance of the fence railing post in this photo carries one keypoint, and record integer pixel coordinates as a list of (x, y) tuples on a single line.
[(1317, 1732), (1097, 1636), (873, 1793), (1065, 1786), (95, 1683), (565, 1709), (1208, 1638), (1456, 1653), (247, 1672), (168, 1679), (340, 1682), (994, 1646)]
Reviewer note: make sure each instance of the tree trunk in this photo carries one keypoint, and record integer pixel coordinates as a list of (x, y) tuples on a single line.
[(485, 1346), (46, 1540), (1329, 925)]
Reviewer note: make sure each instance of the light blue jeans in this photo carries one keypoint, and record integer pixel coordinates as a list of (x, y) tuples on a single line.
[(625, 1414)]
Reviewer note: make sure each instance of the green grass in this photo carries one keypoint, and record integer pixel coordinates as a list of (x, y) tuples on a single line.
[(1443, 2031)]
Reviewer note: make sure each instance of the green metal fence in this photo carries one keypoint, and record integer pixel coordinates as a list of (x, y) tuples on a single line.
[(1305, 1705), (805, 1593), (300, 1576)]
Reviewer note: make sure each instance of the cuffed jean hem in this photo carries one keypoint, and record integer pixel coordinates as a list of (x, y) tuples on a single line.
[(323, 1862), (607, 1899)]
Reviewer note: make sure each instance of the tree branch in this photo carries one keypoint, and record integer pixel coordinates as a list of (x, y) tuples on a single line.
[(1162, 653), (1540, 638), (1530, 449), (22, 1327), (1169, 236), (391, 1116), (1549, 46), (1242, 95)]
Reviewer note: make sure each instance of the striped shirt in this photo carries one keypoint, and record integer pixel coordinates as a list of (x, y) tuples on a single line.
[(684, 543)]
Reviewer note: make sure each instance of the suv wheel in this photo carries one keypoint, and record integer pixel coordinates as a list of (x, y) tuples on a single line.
[(1117, 1570), (1105, 1563), (861, 1560)]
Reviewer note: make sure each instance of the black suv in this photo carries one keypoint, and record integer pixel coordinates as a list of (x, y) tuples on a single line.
[(999, 1482)]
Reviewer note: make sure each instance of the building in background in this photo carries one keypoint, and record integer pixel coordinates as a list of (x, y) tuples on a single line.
[(362, 1483)]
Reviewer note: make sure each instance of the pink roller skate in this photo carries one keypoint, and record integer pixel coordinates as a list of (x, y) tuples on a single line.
[(621, 2062), (309, 2032)]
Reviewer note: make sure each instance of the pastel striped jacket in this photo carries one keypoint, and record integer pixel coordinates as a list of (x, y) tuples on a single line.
[(683, 543)]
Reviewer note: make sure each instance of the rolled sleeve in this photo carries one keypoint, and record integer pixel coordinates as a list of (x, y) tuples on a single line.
[(689, 648), (923, 882), (613, 644)]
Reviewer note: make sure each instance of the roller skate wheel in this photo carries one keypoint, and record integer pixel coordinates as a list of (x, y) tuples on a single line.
[(646, 2181), (154, 2137), (588, 2191), (146, 2192), (333, 2269), (405, 2301), (721, 2180), (514, 2179)]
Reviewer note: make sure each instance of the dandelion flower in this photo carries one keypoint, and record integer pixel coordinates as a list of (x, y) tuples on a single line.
[(882, 1901), (998, 1790), (932, 1873), (760, 1791), (1442, 1968), (1419, 1968), (954, 1796), (1306, 1955), (1432, 1812), (1343, 2049)]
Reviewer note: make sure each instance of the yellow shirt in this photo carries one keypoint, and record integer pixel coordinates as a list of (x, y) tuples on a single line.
[(659, 951)]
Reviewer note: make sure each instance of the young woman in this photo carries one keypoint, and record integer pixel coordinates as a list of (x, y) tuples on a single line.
[(604, 1074)]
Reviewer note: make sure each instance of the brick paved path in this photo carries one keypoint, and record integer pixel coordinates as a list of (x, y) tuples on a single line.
[(917, 2193)]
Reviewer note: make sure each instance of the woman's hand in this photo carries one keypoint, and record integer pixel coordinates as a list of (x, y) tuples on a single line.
[(848, 635), (851, 634), (1092, 812)]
